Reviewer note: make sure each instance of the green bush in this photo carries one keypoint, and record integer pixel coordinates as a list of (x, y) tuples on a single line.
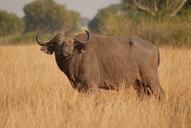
[(10, 23), (164, 33)]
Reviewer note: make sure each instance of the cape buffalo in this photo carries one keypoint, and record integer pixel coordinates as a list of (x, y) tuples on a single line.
[(91, 60)]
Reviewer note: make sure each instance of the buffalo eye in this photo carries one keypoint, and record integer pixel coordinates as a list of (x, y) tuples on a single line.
[(80, 47)]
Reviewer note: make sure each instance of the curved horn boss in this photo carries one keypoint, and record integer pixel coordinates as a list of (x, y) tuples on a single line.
[(41, 43), (78, 40)]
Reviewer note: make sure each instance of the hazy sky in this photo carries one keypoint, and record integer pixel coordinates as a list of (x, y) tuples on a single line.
[(87, 8)]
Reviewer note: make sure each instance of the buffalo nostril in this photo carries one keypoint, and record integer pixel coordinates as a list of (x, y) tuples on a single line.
[(66, 54)]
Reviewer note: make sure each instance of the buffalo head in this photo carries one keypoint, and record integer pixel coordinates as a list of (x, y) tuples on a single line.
[(63, 44)]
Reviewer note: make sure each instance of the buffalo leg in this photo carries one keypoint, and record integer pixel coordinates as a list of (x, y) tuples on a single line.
[(137, 87), (152, 84), (141, 88), (156, 89)]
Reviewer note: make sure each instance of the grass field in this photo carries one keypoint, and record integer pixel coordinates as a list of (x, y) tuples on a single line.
[(34, 93)]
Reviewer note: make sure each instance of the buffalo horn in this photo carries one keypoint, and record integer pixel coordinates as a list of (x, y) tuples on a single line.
[(74, 38), (40, 42)]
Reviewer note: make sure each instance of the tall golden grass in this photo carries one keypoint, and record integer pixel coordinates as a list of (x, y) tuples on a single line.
[(34, 93)]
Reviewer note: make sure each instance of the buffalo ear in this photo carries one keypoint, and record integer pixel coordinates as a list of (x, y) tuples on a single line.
[(80, 47)]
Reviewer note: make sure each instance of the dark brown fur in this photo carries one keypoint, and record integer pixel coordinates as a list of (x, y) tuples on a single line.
[(105, 62)]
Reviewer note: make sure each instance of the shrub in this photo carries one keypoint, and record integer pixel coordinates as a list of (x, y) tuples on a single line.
[(10, 23)]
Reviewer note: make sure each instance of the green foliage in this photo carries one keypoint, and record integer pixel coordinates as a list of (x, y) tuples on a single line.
[(175, 32), (127, 20), (158, 10), (84, 21), (187, 4), (185, 14), (10, 23), (104, 15), (50, 16)]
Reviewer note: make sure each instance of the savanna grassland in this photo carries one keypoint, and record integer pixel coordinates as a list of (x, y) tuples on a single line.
[(34, 93)]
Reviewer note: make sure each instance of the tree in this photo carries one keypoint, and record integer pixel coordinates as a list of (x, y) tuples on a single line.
[(188, 4), (10, 23), (84, 21), (160, 7), (131, 12), (128, 4), (103, 16), (48, 15)]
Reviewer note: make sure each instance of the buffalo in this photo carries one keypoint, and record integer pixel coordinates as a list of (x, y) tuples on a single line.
[(91, 60)]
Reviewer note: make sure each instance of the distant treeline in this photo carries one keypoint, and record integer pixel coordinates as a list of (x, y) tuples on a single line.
[(159, 21), (39, 15)]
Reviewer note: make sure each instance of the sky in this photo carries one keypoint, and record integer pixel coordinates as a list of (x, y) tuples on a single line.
[(87, 8)]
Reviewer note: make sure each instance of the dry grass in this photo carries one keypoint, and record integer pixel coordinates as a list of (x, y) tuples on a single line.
[(34, 93)]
